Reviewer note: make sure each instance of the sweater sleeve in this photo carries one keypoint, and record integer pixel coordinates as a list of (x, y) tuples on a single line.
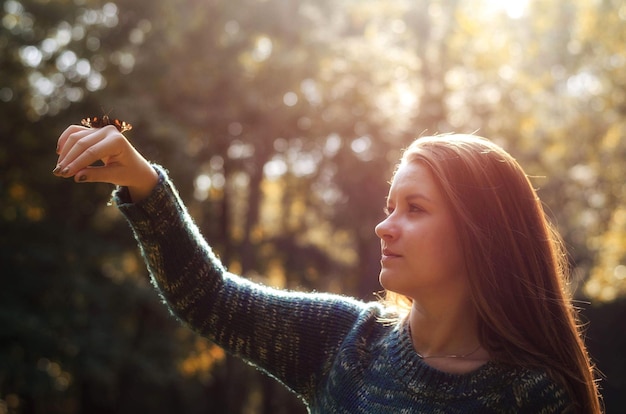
[(292, 336)]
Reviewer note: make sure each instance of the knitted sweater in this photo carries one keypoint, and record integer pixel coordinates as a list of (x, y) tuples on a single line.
[(332, 351)]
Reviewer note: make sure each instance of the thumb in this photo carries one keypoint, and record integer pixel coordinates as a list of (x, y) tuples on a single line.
[(140, 182), (100, 174)]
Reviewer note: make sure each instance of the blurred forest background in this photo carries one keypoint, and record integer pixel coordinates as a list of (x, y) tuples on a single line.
[(280, 122)]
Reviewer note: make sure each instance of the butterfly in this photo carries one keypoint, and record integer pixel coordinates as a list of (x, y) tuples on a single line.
[(99, 122)]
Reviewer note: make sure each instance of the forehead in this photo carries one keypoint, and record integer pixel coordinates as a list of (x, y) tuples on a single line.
[(414, 178)]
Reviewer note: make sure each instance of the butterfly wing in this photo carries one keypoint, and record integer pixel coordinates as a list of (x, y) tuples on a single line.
[(122, 126), (86, 122), (99, 122)]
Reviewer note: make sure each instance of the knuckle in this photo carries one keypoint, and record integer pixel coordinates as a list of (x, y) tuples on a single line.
[(74, 136), (80, 144), (91, 153), (111, 130), (73, 129)]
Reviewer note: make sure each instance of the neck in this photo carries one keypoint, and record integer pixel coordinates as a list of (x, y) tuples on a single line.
[(444, 331)]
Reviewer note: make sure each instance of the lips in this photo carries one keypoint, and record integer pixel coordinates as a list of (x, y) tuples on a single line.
[(388, 254)]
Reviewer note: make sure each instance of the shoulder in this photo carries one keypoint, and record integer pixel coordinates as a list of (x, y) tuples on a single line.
[(373, 336), (374, 323), (531, 390)]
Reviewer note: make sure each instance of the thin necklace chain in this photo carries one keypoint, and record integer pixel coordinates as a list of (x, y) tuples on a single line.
[(469, 354)]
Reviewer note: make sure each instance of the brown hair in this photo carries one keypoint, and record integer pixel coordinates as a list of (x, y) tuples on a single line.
[(515, 259)]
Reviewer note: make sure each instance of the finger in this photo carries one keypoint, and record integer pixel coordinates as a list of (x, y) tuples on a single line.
[(103, 144), (67, 142), (63, 138), (79, 140)]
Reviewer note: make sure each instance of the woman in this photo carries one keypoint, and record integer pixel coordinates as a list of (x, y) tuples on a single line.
[(475, 320)]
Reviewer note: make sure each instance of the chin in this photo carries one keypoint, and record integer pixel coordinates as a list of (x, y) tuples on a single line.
[(387, 281), (396, 283)]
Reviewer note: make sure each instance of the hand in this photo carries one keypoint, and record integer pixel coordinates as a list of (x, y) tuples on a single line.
[(79, 147)]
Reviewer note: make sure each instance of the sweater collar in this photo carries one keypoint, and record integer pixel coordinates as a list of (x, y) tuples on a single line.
[(426, 380)]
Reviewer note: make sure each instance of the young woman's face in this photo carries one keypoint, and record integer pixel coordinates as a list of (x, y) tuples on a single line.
[(421, 253)]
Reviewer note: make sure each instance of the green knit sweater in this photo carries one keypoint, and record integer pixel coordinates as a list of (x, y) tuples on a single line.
[(332, 351)]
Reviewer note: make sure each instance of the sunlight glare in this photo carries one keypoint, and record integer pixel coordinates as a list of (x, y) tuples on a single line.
[(514, 9)]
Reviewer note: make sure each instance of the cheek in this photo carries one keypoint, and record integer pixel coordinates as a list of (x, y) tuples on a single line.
[(445, 244), (454, 252)]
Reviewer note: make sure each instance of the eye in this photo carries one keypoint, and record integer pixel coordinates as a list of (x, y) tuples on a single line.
[(415, 208)]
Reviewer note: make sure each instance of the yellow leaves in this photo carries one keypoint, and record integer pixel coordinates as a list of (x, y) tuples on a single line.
[(613, 138), (276, 274), (468, 23), (22, 202), (127, 266), (339, 245), (34, 213), (60, 378), (608, 277), (17, 192), (528, 126), (201, 359), (271, 208)]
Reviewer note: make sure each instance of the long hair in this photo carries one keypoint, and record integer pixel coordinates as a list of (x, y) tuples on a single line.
[(515, 260)]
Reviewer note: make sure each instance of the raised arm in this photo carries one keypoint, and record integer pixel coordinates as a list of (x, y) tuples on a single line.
[(293, 336)]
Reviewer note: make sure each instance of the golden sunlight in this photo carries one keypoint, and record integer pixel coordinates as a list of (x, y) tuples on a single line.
[(514, 9)]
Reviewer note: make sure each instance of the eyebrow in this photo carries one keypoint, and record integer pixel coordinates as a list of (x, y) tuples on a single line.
[(413, 196)]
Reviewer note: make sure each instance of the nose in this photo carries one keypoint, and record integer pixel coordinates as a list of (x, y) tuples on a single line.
[(385, 229)]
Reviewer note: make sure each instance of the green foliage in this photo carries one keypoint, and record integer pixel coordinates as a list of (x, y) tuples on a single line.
[(280, 122)]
